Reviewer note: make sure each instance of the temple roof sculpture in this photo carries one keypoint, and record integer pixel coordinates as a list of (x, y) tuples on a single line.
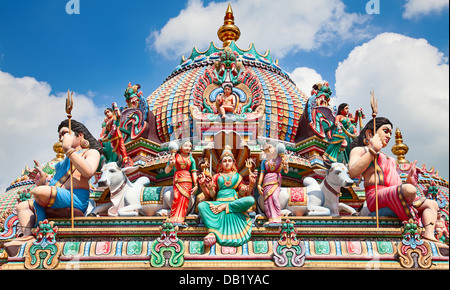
[(281, 102), (230, 114)]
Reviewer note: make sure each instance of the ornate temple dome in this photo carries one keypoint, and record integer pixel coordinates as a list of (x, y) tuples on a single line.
[(257, 76)]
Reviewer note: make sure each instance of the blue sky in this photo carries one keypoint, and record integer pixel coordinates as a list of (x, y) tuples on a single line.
[(44, 51)]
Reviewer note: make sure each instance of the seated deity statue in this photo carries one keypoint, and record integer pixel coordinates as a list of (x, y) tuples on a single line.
[(390, 191), (81, 162), (226, 216), (226, 101)]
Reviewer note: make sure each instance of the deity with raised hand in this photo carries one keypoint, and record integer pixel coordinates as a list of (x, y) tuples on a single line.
[(226, 217), (184, 181)]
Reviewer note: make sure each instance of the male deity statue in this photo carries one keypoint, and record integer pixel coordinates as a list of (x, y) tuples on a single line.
[(226, 101)]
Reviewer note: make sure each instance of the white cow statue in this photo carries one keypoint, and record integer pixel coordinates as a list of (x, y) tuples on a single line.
[(322, 199), (126, 196)]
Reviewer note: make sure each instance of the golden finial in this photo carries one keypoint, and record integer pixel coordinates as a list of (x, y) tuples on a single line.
[(57, 147), (400, 149), (228, 31)]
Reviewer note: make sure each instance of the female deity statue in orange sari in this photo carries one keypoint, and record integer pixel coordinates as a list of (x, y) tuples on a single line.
[(184, 180)]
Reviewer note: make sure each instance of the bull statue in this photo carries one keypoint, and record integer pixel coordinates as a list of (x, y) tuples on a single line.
[(316, 199), (134, 199)]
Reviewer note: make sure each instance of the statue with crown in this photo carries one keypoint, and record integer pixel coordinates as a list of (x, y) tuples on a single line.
[(226, 215), (227, 91)]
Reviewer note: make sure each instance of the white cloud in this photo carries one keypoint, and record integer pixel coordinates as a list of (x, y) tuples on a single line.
[(415, 8), (410, 78), (305, 78), (284, 26), (30, 116)]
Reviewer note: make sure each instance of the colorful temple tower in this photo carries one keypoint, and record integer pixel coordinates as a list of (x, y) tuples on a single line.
[(268, 107), (228, 96)]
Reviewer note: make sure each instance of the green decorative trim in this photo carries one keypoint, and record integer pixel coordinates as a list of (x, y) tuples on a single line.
[(167, 243), (44, 252), (147, 144), (289, 251), (385, 247), (261, 247), (196, 247), (71, 248), (214, 49), (134, 248)]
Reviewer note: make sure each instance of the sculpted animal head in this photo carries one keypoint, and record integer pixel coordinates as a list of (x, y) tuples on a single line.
[(336, 175), (113, 176)]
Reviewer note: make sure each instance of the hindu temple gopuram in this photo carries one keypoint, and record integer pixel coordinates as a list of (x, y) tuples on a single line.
[(227, 164)]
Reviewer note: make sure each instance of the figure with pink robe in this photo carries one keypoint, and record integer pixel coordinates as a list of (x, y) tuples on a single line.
[(400, 197), (269, 184)]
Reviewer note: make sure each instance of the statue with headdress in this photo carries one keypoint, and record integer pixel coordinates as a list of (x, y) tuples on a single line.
[(343, 134), (113, 134), (226, 101), (134, 119), (184, 180), (318, 110), (269, 183), (226, 216)]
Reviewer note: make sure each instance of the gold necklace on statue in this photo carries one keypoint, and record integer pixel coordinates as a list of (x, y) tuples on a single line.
[(228, 177), (272, 165), (183, 161)]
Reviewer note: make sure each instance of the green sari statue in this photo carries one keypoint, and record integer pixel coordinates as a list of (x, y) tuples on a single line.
[(226, 218), (342, 135)]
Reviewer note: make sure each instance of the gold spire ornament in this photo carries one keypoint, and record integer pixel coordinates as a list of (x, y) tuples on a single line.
[(228, 31), (400, 149)]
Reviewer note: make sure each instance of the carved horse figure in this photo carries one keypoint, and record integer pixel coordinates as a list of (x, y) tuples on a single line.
[(132, 199), (316, 199)]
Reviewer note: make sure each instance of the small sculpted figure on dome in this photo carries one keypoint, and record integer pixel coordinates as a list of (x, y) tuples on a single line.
[(184, 180), (269, 183), (226, 101), (343, 134), (319, 101), (228, 68), (132, 95), (113, 134), (432, 191), (82, 155), (401, 198), (226, 217), (322, 93)]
